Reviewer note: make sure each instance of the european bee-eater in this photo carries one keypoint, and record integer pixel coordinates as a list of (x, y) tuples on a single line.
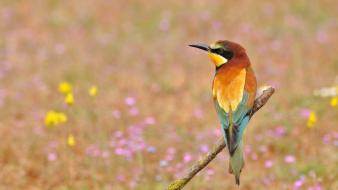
[(234, 90)]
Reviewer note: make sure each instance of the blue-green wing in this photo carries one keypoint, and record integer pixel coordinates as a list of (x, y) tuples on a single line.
[(233, 129)]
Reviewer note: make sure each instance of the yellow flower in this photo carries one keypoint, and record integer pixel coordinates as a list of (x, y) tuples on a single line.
[(312, 119), (54, 118), (92, 91), (50, 119), (61, 117), (334, 101), (71, 140), (69, 99), (65, 87)]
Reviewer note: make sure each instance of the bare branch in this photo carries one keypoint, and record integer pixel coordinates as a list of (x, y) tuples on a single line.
[(218, 147)]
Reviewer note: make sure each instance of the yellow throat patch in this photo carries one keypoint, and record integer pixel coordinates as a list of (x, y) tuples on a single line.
[(217, 59)]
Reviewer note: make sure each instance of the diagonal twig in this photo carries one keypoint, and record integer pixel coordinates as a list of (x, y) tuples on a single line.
[(218, 147)]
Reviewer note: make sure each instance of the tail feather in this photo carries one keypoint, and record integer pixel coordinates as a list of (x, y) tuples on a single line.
[(237, 179), (230, 168), (237, 162), (233, 139)]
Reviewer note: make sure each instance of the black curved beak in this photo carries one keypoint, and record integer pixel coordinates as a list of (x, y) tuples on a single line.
[(200, 46)]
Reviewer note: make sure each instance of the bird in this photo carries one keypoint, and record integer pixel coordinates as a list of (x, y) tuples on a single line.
[(234, 89)]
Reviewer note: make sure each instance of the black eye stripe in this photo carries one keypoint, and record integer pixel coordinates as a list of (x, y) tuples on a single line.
[(228, 54), (217, 51), (220, 51)]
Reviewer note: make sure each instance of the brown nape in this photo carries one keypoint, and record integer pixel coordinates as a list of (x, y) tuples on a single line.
[(235, 47)]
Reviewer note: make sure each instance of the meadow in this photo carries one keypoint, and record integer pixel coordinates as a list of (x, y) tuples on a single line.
[(108, 95)]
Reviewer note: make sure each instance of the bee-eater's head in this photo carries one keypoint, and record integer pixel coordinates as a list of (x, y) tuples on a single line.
[(221, 52)]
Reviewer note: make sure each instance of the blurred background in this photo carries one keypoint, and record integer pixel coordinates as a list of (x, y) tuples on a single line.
[(107, 94)]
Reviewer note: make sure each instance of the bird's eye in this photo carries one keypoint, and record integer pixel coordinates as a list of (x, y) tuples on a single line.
[(220, 51)]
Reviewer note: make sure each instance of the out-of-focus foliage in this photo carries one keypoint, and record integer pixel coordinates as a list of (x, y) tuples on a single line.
[(131, 102)]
